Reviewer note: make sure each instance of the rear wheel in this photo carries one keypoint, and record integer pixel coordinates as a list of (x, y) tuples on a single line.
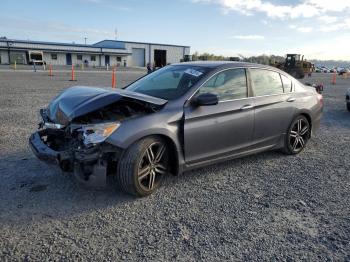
[(143, 166), (348, 106), (297, 136)]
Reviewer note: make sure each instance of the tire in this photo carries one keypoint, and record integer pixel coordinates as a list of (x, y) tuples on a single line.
[(298, 134), (348, 106), (142, 166)]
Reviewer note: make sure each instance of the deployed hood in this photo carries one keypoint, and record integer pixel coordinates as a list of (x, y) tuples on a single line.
[(80, 100)]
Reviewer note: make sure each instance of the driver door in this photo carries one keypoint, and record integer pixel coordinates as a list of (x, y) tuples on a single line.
[(225, 128)]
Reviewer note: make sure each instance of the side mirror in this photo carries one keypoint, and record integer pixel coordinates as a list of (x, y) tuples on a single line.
[(206, 99)]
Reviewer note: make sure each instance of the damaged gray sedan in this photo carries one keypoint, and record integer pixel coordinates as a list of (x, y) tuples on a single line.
[(180, 117)]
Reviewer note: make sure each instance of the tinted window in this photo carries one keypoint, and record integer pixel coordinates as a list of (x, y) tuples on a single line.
[(227, 85), (266, 82), (169, 82), (287, 84)]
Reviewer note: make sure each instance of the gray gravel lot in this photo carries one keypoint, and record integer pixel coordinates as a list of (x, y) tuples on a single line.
[(263, 207)]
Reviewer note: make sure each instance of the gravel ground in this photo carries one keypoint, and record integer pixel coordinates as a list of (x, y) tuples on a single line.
[(263, 207)]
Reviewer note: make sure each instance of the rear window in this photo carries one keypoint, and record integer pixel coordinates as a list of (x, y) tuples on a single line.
[(266, 82)]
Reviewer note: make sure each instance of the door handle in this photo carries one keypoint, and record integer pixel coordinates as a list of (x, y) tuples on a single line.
[(246, 107), (291, 99)]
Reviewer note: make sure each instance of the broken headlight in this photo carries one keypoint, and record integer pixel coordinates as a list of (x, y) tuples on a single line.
[(94, 134)]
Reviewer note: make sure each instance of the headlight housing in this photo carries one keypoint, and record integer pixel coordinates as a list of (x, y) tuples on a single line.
[(94, 134)]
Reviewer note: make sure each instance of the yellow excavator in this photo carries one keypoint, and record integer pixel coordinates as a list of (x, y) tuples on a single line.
[(295, 65)]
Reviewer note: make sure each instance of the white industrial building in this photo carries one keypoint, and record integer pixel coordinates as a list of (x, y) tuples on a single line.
[(111, 52)]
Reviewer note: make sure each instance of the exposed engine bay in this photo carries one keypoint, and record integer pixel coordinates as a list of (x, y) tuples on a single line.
[(74, 128)]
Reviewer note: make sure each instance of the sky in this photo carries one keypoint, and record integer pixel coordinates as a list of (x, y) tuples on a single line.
[(319, 29)]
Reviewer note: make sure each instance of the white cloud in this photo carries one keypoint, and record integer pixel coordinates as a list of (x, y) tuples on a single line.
[(327, 5), (248, 37), (328, 19), (306, 9), (302, 29)]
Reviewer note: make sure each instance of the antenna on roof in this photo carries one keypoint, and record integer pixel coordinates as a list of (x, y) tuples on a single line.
[(116, 33)]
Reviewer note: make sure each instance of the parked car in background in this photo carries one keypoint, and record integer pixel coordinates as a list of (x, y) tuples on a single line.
[(178, 118), (343, 71), (347, 99), (318, 70), (325, 69)]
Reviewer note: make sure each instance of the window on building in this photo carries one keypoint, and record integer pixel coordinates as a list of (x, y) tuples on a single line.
[(227, 85), (266, 82), (119, 59), (93, 58), (287, 84), (80, 57), (54, 56)]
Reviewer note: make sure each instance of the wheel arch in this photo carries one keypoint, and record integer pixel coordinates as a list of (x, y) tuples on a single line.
[(172, 146), (306, 114), (308, 117)]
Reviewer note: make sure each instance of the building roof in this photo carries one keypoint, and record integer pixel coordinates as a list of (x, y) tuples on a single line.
[(43, 42), (106, 43), (15, 44)]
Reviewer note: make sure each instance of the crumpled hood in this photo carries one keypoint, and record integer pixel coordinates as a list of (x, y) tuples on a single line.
[(80, 100)]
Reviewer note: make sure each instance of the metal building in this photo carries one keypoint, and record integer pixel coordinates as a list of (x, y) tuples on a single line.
[(111, 52)]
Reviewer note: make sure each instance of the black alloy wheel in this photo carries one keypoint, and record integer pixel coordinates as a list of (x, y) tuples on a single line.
[(143, 166), (298, 135), (152, 166)]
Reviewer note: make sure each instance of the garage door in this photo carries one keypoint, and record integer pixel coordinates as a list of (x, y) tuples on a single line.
[(138, 57)]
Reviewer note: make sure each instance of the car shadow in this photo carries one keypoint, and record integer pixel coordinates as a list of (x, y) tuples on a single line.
[(32, 191)]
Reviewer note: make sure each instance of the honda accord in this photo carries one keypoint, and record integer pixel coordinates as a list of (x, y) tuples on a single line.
[(180, 117)]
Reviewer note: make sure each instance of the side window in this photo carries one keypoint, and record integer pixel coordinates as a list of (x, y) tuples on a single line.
[(266, 82), (227, 85), (287, 84)]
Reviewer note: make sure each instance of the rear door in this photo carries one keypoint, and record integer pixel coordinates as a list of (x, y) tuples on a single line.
[(274, 108), (219, 130)]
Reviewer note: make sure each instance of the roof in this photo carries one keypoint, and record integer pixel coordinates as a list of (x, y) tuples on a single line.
[(221, 63), (118, 42), (44, 42), (227, 64)]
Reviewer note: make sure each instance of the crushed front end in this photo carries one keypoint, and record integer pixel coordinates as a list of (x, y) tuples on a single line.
[(76, 124), (74, 149)]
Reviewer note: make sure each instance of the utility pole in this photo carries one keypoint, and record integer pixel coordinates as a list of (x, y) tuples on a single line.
[(9, 44), (85, 39)]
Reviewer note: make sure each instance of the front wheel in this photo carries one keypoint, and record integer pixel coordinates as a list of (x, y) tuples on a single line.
[(297, 136), (143, 166)]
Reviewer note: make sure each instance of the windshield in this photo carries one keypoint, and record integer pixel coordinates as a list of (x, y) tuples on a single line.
[(170, 82)]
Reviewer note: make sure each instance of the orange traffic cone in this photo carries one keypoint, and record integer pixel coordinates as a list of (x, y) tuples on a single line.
[(50, 70), (114, 80), (334, 78), (73, 74)]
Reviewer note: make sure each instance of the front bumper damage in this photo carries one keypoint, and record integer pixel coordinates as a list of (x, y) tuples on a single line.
[(90, 165)]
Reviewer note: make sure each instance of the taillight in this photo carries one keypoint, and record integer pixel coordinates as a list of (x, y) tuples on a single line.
[(320, 99)]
